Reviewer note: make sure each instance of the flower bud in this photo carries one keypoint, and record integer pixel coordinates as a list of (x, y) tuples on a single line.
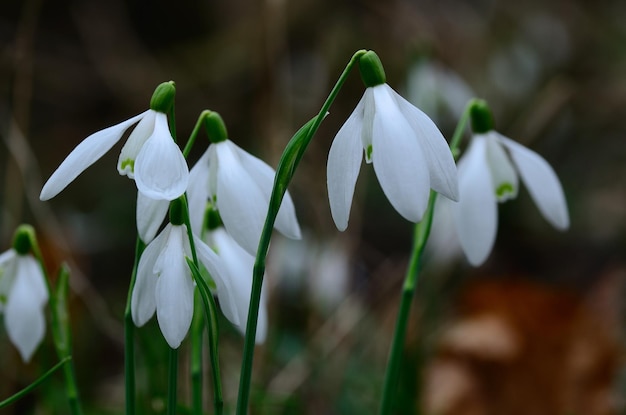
[(215, 128), (177, 211), (372, 71), (23, 239), (163, 97), (481, 118)]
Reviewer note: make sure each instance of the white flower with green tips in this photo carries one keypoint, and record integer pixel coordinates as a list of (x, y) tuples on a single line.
[(165, 285), (150, 155), (409, 154), (239, 186), (489, 173)]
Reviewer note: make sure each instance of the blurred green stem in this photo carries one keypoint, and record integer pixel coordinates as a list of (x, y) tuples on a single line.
[(284, 172), (420, 237), (129, 335), (173, 382), (197, 326)]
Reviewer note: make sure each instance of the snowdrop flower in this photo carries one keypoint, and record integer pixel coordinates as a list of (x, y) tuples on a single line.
[(165, 285), (239, 265), (409, 154), (23, 295), (239, 186), (488, 174), (150, 155)]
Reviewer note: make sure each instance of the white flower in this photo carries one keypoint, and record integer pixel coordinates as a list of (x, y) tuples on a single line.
[(409, 154), (239, 265), (149, 156), (487, 175), (23, 295), (164, 283), (239, 185)]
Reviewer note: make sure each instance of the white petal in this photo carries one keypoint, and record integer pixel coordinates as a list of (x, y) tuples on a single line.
[(344, 162), (503, 176), (367, 123), (263, 175), (24, 315), (8, 271), (240, 201), (398, 160), (223, 282), (132, 147), (174, 289), (476, 213), (240, 264), (143, 299), (542, 183), (198, 193), (161, 170), (150, 214), (84, 155), (443, 174)]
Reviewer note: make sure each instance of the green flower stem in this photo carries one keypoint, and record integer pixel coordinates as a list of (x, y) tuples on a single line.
[(210, 309), (173, 382), (284, 172), (63, 339), (60, 324), (420, 236), (36, 383), (129, 335), (194, 132), (197, 326)]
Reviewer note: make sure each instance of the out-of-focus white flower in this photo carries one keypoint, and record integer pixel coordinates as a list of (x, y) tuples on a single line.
[(488, 174), (164, 283), (409, 154), (239, 186), (23, 296), (239, 265)]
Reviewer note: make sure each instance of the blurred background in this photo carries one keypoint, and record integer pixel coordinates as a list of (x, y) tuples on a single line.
[(538, 329)]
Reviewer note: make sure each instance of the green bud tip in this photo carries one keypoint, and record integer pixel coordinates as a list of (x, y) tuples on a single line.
[(372, 71), (212, 219), (163, 97), (215, 127), (24, 239), (481, 118), (177, 211)]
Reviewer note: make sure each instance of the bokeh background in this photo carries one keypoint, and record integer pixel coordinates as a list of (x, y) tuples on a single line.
[(538, 329)]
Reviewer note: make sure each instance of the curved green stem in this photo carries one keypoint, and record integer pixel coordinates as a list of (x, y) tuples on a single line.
[(420, 237), (8, 401), (197, 326), (284, 172), (194, 132)]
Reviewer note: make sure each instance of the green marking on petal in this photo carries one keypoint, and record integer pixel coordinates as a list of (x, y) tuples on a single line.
[(368, 153), (505, 190), (129, 163)]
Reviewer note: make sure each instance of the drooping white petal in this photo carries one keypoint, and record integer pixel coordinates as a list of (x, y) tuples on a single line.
[(240, 201), (150, 214), (84, 155), (143, 299), (398, 160), (223, 282), (344, 162), (542, 183), (503, 176), (441, 166), (476, 212), (367, 123), (161, 170), (263, 175), (239, 265), (132, 147), (24, 316), (174, 289), (198, 192)]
